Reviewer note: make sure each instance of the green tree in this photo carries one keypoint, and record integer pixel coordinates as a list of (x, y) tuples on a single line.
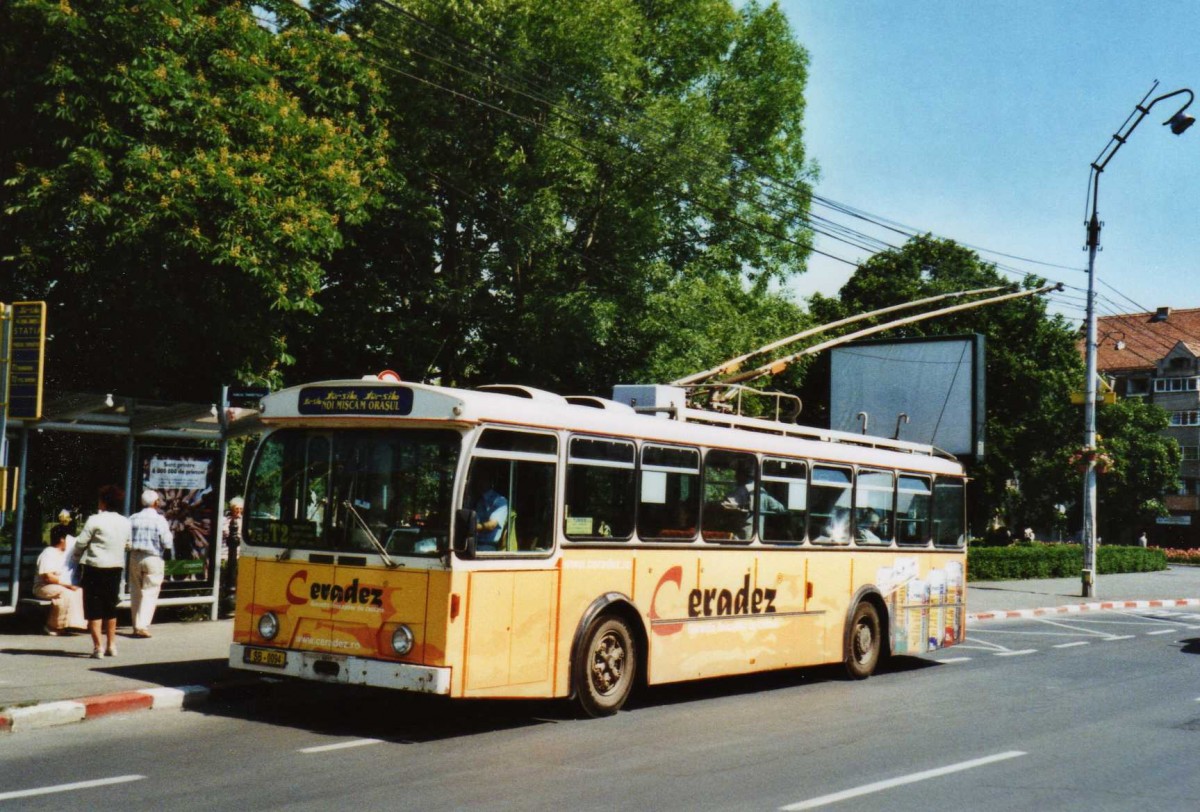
[(578, 189), (175, 174), (1032, 366), (1145, 466)]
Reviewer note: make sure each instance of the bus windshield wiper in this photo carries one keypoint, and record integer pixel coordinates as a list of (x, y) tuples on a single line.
[(387, 559)]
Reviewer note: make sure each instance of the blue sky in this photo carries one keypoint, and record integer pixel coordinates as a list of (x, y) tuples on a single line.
[(978, 121)]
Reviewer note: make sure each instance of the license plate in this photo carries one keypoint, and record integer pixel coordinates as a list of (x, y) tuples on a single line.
[(265, 656)]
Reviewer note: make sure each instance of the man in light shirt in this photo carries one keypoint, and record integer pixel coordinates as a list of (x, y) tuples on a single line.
[(152, 537)]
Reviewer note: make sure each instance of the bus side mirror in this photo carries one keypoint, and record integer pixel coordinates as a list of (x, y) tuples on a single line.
[(464, 533)]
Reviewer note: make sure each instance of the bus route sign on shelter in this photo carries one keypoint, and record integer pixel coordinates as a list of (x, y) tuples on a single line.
[(27, 349)]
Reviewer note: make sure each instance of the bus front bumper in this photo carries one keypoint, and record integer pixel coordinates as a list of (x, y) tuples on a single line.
[(313, 665)]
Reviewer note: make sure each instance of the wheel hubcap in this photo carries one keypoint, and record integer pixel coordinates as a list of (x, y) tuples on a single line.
[(863, 642), (608, 663)]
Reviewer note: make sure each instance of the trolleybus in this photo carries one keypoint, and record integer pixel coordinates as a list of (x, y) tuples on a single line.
[(510, 542)]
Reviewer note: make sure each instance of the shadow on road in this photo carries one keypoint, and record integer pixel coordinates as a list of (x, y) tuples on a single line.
[(358, 712), (1191, 645)]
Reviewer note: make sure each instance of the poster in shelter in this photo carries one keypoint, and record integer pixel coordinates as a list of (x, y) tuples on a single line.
[(186, 481)]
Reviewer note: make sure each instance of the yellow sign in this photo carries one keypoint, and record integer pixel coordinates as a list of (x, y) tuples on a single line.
[(1108, 398)]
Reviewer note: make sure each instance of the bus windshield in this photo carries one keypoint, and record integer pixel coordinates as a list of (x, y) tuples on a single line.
[(334, 490)]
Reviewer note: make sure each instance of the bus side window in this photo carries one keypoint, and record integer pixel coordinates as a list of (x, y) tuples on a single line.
[(669, 503), (513, 497), (873, 496), (730, 496), (786, 481), (913, 499), (600, 490), (829, 505), (948, 511)]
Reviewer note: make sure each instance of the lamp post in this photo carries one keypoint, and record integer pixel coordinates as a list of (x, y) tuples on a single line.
[(1178, 124)]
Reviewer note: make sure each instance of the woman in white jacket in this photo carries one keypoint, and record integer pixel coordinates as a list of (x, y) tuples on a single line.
[(100, 550)]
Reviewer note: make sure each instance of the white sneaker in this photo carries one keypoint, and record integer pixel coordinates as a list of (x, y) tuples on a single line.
[(97, 654)]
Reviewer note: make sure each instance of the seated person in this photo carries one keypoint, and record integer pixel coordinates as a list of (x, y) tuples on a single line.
[(869, 527), (742, 498), (491, 511)]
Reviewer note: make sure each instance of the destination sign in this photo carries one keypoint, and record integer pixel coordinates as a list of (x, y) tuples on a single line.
[(379, 401), (27, 357)]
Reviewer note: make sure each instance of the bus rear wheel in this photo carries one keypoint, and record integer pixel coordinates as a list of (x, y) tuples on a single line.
[(865, 642), (605, 667)]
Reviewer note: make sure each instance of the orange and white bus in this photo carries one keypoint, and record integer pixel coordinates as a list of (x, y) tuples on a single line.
[(509, 542)]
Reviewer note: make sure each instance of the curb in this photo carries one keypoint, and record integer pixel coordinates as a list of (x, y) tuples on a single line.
[(53, 714), (1072, 609)]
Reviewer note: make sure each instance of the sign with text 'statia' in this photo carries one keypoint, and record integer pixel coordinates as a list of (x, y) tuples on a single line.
[(27, 360)]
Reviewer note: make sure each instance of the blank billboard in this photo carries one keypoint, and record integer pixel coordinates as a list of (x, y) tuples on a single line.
[(936, 382)]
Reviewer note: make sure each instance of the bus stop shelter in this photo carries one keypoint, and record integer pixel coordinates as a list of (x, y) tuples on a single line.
[(179, 449)]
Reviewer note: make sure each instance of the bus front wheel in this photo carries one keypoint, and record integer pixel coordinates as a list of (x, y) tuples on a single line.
[(605, 667), (865, 643)]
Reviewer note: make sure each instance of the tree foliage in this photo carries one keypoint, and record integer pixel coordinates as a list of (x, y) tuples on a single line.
[(1145, 467), (578, 198), (175, 174), (468, 191)]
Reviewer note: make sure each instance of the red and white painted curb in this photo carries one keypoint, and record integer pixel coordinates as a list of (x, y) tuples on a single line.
[(1077, 608), (51, 714)]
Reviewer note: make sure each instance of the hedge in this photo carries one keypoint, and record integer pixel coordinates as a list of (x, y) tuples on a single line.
[(1056, 561)]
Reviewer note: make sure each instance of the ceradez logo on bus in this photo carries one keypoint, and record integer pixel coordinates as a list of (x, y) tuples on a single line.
[(711, 602), (352, 593)]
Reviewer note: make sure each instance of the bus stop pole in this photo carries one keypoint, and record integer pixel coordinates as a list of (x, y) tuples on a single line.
[(219, 519), (19, 525)]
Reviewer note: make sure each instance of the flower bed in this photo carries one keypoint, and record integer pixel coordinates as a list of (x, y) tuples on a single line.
[(1189, 557)]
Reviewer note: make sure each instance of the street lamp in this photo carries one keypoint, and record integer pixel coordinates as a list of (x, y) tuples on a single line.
[(1178, 124)]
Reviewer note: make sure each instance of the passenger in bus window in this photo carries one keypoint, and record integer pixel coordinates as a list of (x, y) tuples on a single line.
[(742, 498), (869, 527), (837, 527), (491, 509)]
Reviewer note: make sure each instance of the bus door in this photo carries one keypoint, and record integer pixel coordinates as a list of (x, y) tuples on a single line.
[(510, 613)]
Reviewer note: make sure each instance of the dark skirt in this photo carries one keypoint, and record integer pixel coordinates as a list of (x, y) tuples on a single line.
[(101, 592)]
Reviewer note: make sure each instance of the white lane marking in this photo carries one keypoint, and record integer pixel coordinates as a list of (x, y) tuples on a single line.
[(949, 660), (1016, 653), (1072, 633), (1073, 645), (1118, 637), (324, 748), (879, 786), (984, 645), (98, 782), (1077, 629), (1160, 631)]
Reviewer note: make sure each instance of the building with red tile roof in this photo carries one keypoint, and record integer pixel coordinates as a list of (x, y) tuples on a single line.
[(1156, 356)]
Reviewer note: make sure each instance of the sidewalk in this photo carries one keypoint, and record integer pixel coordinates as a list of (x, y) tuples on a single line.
[(51, 680), (1000, 598)]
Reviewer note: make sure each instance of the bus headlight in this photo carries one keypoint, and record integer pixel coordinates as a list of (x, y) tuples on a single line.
[(402, 640), (268, 626)]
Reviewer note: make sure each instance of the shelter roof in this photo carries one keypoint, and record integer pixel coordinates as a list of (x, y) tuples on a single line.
[(92, 413)]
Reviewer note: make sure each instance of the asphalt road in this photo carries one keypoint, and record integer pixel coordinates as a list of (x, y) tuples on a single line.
[(1084, 713)]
